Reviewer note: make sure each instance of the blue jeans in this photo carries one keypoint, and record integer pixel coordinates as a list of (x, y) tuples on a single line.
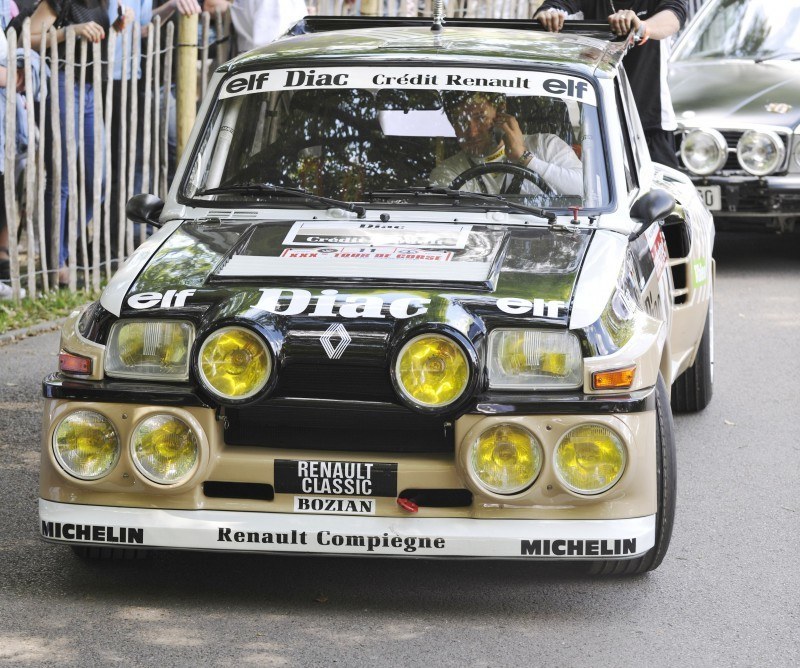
[(88, 148)]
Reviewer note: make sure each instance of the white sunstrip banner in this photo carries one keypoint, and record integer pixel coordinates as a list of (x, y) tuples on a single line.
[(336, 534), (509, 82)]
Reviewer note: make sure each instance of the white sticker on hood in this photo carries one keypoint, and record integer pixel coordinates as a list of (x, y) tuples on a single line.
[(415, 235), (380, 254)]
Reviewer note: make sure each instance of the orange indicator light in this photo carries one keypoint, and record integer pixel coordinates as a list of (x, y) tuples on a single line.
[(619, 379), (70, 363)]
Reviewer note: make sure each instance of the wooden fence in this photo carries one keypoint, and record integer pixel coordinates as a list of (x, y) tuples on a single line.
[(141, 161)]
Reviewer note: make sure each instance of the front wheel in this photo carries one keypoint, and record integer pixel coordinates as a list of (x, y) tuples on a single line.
[(666, 476)]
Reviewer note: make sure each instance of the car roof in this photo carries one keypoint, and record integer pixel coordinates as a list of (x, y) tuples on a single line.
[(498, 46)]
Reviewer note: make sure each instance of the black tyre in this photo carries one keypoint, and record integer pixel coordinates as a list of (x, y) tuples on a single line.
[(93, 553), (666, 476), (692, 390)]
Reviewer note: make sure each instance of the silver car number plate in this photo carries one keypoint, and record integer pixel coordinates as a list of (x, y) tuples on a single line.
[(711, 196)]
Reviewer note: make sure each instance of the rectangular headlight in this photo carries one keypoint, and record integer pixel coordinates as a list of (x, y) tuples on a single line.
[(531, 359), (149, 349)]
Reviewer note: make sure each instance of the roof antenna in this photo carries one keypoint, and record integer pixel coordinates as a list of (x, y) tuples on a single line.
[(438, 16)]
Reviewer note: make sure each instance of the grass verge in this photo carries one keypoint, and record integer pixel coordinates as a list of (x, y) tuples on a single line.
[(46, 307)]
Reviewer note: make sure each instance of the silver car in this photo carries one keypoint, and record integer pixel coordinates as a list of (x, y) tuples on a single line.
[(735, 81)]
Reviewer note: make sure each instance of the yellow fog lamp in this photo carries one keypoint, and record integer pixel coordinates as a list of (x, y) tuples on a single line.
[(432, 371), (506, 458), (618, 379), (589, 459), (86, 445), (234, 363), (164, 449)]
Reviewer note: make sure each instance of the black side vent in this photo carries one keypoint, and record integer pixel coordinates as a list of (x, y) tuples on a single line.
[(238, 490), (438, 498)]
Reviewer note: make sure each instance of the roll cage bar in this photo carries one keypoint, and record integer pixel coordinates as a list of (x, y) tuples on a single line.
[(594, 29), (315, 24)]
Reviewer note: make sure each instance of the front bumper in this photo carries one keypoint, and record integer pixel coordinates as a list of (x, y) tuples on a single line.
[(232, 531), (750, 197)]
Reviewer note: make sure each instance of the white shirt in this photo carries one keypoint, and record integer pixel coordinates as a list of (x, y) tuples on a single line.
[(258, 22), (553, 159)]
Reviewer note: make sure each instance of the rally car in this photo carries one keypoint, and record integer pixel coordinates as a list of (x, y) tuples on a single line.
[(326, 348)]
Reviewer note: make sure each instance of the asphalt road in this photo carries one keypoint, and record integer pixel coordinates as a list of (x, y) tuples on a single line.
[(726, 594)]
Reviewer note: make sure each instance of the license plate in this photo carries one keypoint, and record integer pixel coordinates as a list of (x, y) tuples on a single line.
[(711, 196), (317, 477)]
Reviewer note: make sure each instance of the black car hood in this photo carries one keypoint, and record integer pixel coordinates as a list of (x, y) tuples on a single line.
[(291, 271), (731, 92)]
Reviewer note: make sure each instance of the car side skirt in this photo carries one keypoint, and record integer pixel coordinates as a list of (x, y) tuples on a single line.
[(407, 537)]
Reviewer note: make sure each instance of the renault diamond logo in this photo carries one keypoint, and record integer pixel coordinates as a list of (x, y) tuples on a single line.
[(333, 332)]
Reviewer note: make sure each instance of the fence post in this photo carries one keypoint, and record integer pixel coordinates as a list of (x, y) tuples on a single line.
[(56, 159), (134, 138), (163, 173), (30, 162), (111, 151), (370, 8), (186, 80), (40, 173)]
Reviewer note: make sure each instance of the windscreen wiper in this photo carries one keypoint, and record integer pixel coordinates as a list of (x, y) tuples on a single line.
[(778, 56), (269, 188), (461, 194)]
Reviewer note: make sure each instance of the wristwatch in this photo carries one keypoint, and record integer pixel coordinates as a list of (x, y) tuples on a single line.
[(525, 158)]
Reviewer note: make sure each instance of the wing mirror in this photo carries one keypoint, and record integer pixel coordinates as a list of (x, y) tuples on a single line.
[(650, 207), (145, 209)]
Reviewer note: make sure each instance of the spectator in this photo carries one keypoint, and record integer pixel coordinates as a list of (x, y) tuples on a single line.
[(90, 21), (167, 10), (7, 12), (258, 22), (646, 66), (125, 12), (5, 268)]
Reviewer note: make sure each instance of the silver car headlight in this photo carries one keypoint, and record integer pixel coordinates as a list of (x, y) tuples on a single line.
[(704, 151), (760, 153), (151, 349), (531, 359), (797, 151)]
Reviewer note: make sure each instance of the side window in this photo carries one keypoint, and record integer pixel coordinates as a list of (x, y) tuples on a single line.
[(630, 165)]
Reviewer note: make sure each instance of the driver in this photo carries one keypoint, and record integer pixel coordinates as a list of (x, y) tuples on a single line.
[(487, 134)]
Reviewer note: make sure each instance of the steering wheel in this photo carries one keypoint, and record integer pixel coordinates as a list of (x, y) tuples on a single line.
[(520, 174)]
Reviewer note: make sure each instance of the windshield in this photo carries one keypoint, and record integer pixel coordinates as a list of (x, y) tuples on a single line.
[(752, 29), (363, 134)]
